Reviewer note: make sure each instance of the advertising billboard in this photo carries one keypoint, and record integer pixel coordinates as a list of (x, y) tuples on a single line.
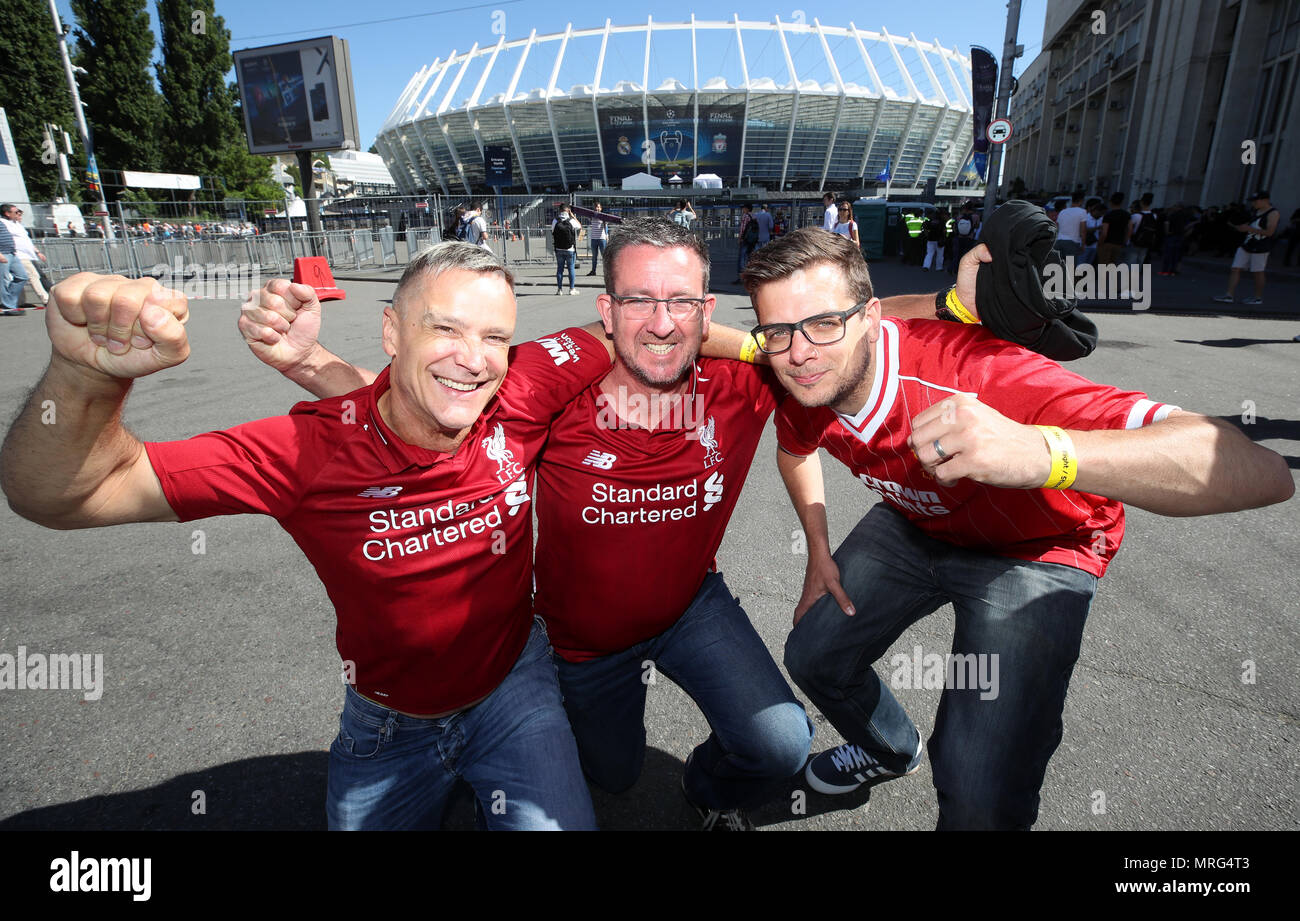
[(669, 141), (298, 96)]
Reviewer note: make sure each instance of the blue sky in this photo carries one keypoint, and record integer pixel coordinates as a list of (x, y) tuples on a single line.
[(385, 54)]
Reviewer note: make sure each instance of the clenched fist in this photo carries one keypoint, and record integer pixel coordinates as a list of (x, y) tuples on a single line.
[(118, 326), (281, 323), (976, 441)]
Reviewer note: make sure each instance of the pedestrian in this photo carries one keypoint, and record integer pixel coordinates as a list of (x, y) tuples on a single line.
[(830, 214), (476, 229), (1115, 230), (1292, 234), (935, 237), (746, 239), (1072, 226), (1252, 254), (963, 233), (683, 214), (13, 276), (1145, 238), (1175, 222), (598, 234), (565, 233), (30, 257), (845, 226), (763, 219)]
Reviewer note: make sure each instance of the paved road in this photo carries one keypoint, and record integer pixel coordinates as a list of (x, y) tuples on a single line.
[(221, 674)]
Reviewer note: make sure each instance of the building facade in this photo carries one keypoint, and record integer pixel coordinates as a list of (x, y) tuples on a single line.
[(1192, 100)]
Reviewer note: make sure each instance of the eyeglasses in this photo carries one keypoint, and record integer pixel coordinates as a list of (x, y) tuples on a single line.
[(643, 308), (823, 329)]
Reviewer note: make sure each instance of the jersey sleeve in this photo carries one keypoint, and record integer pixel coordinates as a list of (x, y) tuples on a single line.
[(545, 375), (260, 467), (1029, 388), (797, 432)]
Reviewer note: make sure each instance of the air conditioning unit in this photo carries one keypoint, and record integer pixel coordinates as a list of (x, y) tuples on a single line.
[(1115, 105)]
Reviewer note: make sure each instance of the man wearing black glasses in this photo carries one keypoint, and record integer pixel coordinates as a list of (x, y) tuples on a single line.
[(1002, 476), (634, 493)]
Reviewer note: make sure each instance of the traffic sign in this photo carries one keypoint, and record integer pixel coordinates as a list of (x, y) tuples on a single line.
[(269, 212), (999, 131), (421, 204), (101, 213)]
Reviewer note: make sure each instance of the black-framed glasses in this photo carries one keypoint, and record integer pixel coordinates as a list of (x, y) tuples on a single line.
[(823, 329), (638, 307)]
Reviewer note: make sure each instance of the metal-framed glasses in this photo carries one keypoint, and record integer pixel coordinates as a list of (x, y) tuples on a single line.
[(823, 329), (637, 307)]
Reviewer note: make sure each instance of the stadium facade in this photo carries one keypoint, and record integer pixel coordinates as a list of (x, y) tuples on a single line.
[(783, 105)]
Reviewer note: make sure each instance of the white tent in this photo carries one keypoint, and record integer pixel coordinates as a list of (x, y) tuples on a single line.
[(707, 181), (642, 181)]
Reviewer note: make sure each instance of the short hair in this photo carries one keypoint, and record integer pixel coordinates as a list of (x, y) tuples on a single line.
[(1117, 199), (681, 203), (1076, 196), (830, 195), (802, 249), (445, 257), (659, 232), (1148, 198)]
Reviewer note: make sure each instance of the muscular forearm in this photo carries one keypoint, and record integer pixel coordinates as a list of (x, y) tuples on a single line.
[(908, 306), (66, 445), (1187, 464), (803, 481), (323, 374)]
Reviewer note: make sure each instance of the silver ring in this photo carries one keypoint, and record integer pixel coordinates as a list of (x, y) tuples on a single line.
[(938, 449)]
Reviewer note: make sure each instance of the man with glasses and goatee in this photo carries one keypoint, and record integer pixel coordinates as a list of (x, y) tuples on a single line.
[(1002, 476)]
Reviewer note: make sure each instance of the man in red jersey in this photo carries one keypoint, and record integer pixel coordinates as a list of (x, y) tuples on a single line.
[(414, 487), (1002, 477), (636, 487)]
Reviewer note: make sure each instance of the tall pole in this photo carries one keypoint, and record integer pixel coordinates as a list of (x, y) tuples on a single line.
[(91, 166), (1010, 51)]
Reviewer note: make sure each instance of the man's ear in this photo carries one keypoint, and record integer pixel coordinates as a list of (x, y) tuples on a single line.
[(389, 330), (605, 307), (710, 303)]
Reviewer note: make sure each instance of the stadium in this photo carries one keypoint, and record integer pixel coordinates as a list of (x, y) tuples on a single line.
[(779, 105)]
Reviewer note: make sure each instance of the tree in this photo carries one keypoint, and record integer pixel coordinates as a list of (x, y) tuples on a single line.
[(115, 46), (33, 91), (204, 128)]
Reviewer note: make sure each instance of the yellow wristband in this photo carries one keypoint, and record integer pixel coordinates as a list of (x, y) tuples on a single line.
[(749, 348), (958, 308), (1065, 465)]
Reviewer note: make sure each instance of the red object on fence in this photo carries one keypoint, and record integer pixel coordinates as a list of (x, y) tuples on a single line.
[(315, 271)]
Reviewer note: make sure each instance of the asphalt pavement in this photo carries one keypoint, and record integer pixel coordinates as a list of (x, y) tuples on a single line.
[(222, 685)]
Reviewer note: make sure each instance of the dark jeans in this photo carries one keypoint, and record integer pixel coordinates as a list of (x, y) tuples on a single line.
[(761, 734), (564, 257), (989, 755), (1172, 254), (514, 748)]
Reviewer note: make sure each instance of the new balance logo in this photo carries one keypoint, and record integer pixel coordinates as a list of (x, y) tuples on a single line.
[(516, 495), (380, 492), (600, 460), (558, 352)]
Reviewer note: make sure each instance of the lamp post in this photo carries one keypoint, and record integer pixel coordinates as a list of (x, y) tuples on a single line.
[(92, 168)]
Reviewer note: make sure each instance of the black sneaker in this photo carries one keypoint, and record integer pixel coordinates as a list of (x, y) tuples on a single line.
[(716, 819), (845, 769)]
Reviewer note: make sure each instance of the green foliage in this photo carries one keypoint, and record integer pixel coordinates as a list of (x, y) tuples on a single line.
[(34, 90), (115, 46)]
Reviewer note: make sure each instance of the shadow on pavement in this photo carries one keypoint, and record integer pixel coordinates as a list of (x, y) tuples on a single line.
[(1231, 343)]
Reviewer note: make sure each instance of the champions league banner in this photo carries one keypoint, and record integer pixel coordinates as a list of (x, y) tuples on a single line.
[(984, 88), (673, 145)]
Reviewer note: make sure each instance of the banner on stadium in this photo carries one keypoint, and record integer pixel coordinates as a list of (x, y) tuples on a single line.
[(984, 88), (670, 141)]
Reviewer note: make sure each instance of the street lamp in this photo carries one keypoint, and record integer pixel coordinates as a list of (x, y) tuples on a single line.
[(92, 168)]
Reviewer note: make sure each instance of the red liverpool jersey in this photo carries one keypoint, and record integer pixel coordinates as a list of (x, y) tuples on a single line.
[(918, 363), (426, 556), (629, 520)]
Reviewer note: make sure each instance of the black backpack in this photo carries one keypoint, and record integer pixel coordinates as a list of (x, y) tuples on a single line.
[(751, 232), (562, 234), (1147, 231)]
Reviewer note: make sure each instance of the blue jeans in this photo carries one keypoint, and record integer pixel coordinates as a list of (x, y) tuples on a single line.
[(761, 734), (564, 257), (514, 749), (597, 247), (12, 279), (989, 756)]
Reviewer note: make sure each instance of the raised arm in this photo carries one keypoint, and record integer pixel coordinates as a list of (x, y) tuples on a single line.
[(67, 461), (921, 306), (803, 481), (1186, 464)]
